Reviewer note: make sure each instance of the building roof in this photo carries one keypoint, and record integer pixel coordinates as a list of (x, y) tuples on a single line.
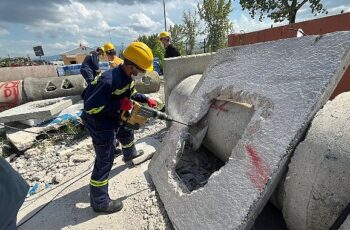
[(80, 50)]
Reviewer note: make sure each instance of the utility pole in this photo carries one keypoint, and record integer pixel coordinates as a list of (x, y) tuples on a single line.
[(164, 16)]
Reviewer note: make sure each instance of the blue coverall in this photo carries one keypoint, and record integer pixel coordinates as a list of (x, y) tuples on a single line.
[(90, 66), (101, 118)]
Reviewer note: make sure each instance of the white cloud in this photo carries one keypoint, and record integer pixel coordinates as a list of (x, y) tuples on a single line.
[(245, 24), (4, 32), (338, 9), (142, 22)]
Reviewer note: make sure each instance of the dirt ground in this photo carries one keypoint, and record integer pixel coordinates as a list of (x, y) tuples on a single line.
[(66, 205)]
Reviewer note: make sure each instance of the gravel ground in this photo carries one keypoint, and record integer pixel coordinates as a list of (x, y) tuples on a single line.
[(61, 169)]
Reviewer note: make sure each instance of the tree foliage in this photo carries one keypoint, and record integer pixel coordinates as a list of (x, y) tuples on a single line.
[(280, 10), (177, 37), (190, 29), (217, 24)]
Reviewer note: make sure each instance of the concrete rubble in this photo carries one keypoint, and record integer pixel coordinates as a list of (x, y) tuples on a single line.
[(286, 82), (43, 109)]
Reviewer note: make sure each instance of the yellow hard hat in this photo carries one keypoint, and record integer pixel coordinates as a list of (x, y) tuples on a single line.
[(140, 54), (108, 46), (164, 34)]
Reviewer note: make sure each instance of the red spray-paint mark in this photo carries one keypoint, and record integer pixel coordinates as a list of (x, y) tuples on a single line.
[(9, 95), (259, 171), (220, 108)]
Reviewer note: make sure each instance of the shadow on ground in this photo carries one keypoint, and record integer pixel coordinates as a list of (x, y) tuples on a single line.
[(68, 210)]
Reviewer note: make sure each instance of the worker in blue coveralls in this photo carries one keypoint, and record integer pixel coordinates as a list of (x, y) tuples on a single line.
[(90, 67), (105, 98)]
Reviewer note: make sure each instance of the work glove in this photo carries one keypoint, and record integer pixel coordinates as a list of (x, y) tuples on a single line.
[(125, 104), (151, 102)]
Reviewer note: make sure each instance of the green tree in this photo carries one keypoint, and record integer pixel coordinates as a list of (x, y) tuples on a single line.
[(177, 37), (190, 29), (280, 10), (217, 24)]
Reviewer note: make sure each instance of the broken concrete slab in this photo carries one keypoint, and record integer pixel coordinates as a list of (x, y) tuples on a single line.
[(286, 82), (43, 109), (24, 138), (149, 145)]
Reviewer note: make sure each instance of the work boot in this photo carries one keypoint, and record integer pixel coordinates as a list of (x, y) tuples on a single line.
[(117, 152), (112, 207), (138, 153)]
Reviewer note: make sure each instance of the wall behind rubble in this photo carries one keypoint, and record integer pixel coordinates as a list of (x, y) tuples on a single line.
[(321, 26)]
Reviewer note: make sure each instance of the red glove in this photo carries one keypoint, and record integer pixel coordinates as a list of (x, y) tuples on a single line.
[(151, 102), (125, 104)]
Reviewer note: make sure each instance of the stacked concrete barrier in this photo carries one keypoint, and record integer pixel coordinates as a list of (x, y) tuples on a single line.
[(285, 84), (19, 73)]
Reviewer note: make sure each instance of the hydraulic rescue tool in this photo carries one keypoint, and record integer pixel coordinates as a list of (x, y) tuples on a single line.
[(139, 114)]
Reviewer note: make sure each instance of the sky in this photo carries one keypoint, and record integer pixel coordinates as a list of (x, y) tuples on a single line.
[(61, 25)]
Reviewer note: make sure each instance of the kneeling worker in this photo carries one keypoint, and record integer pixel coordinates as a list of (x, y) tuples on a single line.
[(105, 98)]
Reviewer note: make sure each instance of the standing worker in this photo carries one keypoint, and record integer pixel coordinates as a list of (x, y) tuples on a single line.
[(170, 50), (112, 57), (90, 67), (13, 191), (104, 100)]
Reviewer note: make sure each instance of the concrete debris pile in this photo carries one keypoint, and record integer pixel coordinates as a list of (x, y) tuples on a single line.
[(49, 163), (278, 87)]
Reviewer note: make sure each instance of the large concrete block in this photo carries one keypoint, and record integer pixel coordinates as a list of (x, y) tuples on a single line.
[(43, 109), (22, 72), (286, 82), (179, 68), (317, 185)]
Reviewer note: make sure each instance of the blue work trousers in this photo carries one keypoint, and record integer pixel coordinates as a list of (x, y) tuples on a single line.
[(87, 74), (104, 131)]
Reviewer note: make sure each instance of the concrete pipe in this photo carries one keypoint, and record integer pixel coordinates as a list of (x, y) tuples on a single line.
[(219, 139), (150, 83), (317, 185), (316, 188), (14, 93), (40, 89), (179, 95), (10, 94), (22, 72)]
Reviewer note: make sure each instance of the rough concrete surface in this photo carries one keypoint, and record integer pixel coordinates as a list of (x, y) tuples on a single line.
[(149, 145), (150, 83), (179, 68), (35, 89), (22, 72), (179, 94), (317, 187), (43, 109), (286, 82)]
